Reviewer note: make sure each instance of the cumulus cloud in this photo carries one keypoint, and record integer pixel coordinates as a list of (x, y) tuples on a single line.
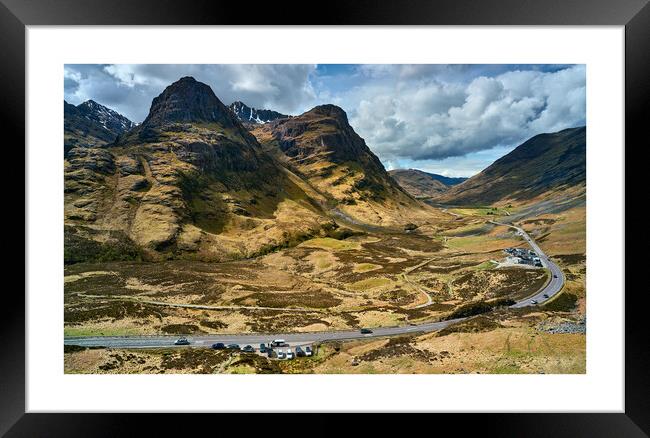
[(130, 88), (430, 119)]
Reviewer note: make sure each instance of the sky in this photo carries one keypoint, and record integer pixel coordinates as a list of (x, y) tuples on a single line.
[(450, 119)]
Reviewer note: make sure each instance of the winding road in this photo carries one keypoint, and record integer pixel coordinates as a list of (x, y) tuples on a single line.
[(553, 287), (556, 281)]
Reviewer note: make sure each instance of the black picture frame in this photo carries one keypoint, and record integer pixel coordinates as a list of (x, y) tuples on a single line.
[(15, 15)]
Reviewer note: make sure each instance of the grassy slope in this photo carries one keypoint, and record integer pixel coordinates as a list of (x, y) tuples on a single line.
[(544, 163)]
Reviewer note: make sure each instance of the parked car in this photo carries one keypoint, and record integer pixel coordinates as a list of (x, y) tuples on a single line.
[(366, 331), (308, 351), (290, 354), (248, 349), (270, 353), (182, 341), (219, 346), (281, 355), (300, 352), (262, 348), (233, 347)]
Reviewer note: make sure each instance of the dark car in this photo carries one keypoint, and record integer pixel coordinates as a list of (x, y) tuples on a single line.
[(182, 341), (262, 348), (300, 352), (545, 295), (219, 346), (366, 331), (554, 276), (248, 349), (269, 352), (233, 347)]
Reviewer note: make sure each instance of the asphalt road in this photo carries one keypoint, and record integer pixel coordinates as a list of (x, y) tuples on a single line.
[(253, 339), (556, 282), (553, 287)]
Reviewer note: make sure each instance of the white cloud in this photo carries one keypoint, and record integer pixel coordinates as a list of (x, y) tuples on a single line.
[(130, 88), (428, 119)]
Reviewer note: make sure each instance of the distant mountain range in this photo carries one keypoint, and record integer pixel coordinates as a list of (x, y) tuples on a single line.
[(423, 184), (247, 114), (91, 124), (543, 164)]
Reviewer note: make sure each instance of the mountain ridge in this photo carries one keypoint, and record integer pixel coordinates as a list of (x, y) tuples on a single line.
[(91, 124), (322, 147), (544, 163), (247, 114), (423, 184)]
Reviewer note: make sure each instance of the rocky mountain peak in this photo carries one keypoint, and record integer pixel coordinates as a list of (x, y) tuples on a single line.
[(104, 116), (188, 101), (247, 114), (329, 110), (91, 124)]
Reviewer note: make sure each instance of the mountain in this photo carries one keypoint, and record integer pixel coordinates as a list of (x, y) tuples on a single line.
[(247, 114), (422, 184), (322, 148), (544, 164), (448, 180), (91, 124), (189, 182)]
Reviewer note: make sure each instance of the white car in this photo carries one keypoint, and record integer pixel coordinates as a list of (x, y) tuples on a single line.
[(281, 354), (308, 351), (290, 354)]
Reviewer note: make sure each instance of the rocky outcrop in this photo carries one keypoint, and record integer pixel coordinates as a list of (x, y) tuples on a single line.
[(322, 147), (189, 101), (246, 114), (91, 125)]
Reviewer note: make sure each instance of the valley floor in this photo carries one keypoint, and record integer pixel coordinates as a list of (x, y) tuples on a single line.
[(371, 279)]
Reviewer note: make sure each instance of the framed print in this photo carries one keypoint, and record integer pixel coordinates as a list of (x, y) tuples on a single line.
[(382, 209)]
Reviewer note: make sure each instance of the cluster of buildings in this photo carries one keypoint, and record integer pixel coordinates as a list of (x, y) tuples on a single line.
[(523, 256)]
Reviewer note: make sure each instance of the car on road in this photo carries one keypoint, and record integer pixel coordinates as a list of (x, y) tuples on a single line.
[(182, 341), (366, 331), (290, 354), (279, 343), (308, 351), (545, 295), (248, 349), (281, 355), (533, 301), (262, 348), (300, 352), (554, 276), (219, 346), (232, 346)]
